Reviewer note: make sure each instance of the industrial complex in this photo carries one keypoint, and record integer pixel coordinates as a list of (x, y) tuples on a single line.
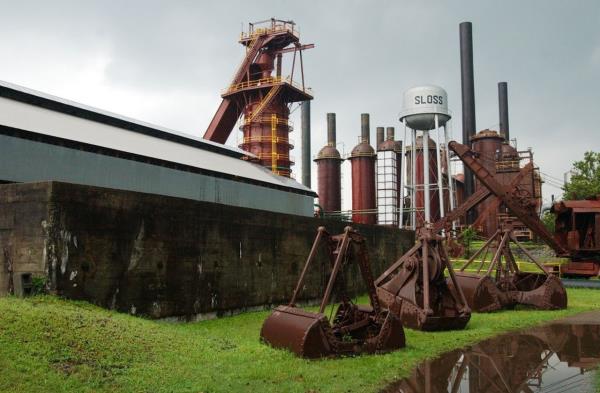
[(145, 220)]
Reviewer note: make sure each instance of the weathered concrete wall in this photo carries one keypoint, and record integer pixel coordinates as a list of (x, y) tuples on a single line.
[(23, 219), (162, 256)]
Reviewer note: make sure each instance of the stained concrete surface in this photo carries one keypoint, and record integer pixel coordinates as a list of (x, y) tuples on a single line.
[(164, 257)]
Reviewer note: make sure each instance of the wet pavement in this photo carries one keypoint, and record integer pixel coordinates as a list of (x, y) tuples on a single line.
[(560, 357)]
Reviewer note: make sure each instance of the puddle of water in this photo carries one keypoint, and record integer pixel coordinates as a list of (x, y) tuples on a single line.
[(561, 357)]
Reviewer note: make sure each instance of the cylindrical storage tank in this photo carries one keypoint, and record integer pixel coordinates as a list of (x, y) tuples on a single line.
[(488, 144), (329, 163), (387, 186), (420, 179), (362, 159)]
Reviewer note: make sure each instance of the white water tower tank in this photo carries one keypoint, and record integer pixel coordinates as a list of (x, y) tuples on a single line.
[(420, 106)]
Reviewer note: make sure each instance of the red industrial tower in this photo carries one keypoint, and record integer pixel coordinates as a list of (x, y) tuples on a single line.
[(329, 163), (263, 98), (362, 159)]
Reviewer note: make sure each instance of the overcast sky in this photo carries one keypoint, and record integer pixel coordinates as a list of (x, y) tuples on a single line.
[(165, 62)]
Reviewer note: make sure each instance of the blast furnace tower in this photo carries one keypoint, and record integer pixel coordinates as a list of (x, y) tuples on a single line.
[(362, 159), (329, 163), (261, 97)]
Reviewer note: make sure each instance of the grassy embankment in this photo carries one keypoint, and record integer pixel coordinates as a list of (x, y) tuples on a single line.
[(53, 345)]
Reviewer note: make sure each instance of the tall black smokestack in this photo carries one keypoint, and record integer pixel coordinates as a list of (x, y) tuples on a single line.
[(305, 117), (468, 95), (365, 128), (331, 129), (503, 109)]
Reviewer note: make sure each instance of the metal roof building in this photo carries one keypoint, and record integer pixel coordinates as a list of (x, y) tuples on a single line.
[(45, 138)]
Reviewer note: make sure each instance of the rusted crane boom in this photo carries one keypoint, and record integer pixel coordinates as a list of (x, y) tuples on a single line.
[(504, 285), (505, 194)]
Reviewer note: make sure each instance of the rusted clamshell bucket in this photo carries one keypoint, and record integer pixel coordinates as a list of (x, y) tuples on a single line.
[(302, 332), (355, 329), (445, 315), (545, 292), (480, 291), (310, 335)]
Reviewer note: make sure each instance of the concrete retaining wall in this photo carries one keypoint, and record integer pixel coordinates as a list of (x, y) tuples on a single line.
[(165, 257)]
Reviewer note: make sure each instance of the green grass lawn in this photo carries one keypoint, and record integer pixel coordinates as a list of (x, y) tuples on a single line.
[(53, 345)]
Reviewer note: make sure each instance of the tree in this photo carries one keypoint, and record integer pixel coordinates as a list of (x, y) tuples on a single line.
[(585, 178), (467, 236), (548, 221)]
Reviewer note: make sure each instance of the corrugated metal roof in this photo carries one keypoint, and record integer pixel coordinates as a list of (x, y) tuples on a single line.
[(33, 111)]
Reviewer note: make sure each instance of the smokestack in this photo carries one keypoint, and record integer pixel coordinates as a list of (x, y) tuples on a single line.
[(380, 136), (305, 115), (331, 129), (390, 133), (365, 128), (468, 95), (503, 109)]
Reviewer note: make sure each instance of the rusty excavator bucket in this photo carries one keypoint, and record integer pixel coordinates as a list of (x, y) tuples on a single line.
[(415, 289), (503, 284), (509, 286), (355, 329)]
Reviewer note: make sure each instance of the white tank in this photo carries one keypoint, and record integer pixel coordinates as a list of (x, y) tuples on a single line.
[(420, 106)]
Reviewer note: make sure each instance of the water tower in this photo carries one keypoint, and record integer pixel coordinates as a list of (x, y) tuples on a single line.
[(425, 110)]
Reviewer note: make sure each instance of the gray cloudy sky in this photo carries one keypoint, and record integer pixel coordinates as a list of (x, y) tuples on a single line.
[(165, 62)]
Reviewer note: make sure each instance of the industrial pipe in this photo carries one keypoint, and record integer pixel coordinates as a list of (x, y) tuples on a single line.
[(365, 128), (503, 109), (331, 129), (390, 134), (305, 114), (468, 95), (438, 147), (380, 137)]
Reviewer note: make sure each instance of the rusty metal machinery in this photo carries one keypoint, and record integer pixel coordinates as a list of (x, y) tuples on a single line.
[(355, 329), (578, 230), (504, 284), (510, 286), (519, 206), (415, 288), (263, 98)]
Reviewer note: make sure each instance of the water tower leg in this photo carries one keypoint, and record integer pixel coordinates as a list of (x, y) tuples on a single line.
[(439, 167), (427, 202), (413, 198), (402, 177)]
